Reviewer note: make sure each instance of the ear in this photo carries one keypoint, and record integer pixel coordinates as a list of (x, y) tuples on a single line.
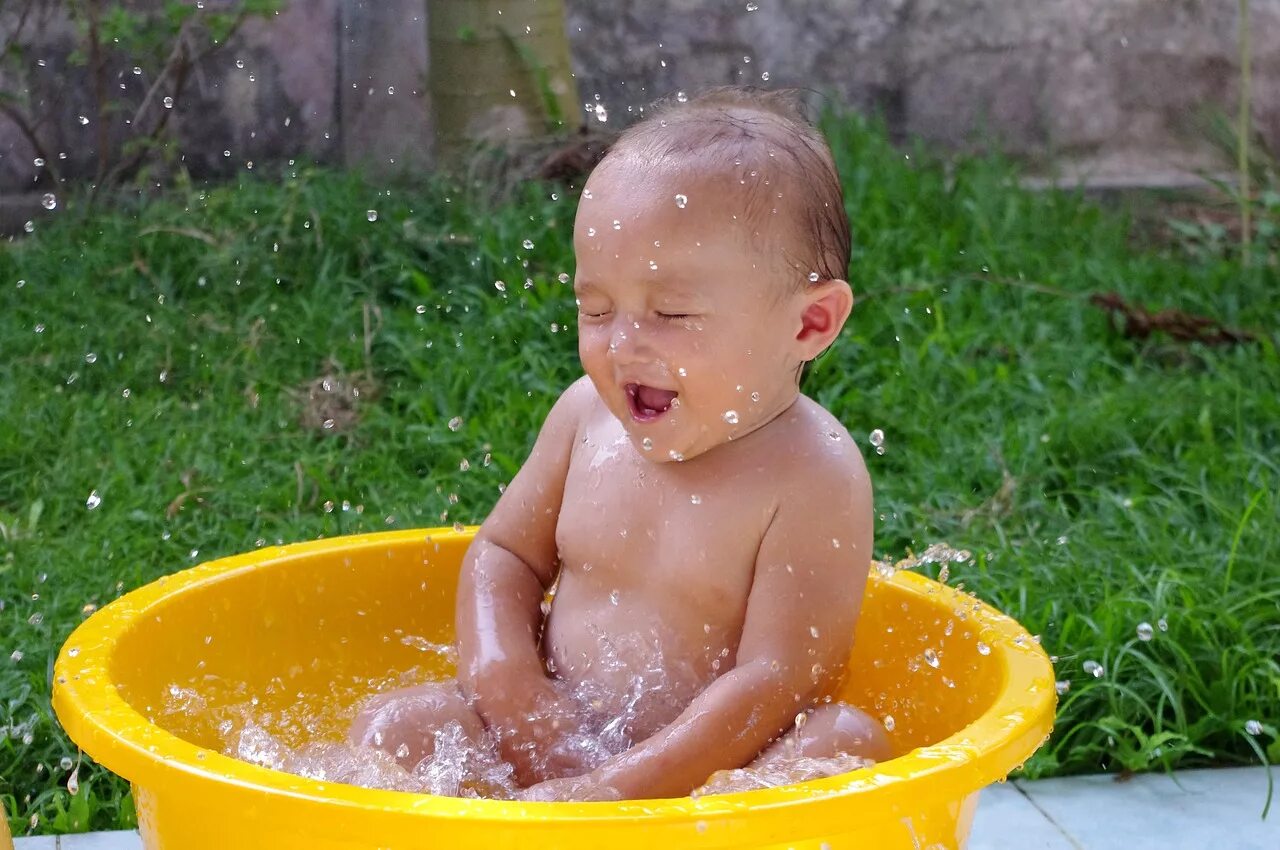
[(824, 309)]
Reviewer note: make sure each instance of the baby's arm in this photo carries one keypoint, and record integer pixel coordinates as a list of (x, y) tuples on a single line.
[(504, 575), (804, 585)]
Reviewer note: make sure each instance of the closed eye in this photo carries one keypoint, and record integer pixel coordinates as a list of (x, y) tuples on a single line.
[(673, 316)]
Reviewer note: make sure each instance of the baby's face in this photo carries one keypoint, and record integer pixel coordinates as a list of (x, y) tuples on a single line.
[(686, 329)]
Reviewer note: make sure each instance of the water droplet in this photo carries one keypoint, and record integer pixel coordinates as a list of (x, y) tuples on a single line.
[(889, 722), (168, 102), (239, 63), (1162, 624), (647, 444), (1253, 727), (764, 75), (455, 423), (1094, 669), (813, 631), (602, 114), (464, 465), (500, 286), (29, 227), (682, 201), (38, 162), (877, 438), (49, 201), (983, 649), (731, 416), (682, 97), (73, 782), (73, 652), (93, 501), (931, 658), (15, 656), (372, 215), (391, 89), (614, 596), (675, 455), (1145, 632), (83, 121), (528, 244), (695, 499), (563, 277), (39, 328), (1062, 686), (617, 225), (755, 396)]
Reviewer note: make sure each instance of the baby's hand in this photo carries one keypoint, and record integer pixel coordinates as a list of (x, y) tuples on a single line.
[(532, 732), (573, 789)]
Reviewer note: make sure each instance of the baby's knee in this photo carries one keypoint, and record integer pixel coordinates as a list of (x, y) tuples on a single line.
[(404, 722)]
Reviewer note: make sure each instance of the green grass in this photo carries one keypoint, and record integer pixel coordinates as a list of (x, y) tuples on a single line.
[(1100, 482)]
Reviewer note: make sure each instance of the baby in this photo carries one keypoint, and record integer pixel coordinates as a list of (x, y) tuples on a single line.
[(705, 529)]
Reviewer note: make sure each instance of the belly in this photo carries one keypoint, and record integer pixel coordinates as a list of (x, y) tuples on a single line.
[(627, 657)]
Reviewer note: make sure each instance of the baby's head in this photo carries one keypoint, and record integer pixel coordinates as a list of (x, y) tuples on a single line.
[(712, 246)]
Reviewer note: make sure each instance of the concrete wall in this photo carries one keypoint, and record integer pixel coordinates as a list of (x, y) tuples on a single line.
[(1113, 87)]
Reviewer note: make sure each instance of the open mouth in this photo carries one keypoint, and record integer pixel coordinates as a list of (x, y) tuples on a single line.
[(648, 404)]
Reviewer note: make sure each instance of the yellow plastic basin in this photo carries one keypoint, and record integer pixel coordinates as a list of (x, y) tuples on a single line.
[(293, 625)]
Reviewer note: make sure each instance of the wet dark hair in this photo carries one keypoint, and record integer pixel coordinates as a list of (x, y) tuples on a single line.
[(748, 129)]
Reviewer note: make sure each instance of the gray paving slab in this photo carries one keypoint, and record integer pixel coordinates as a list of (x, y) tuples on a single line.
[(1190, 810), (1006, 819), (118, 840), (36, 842), (123, 840)]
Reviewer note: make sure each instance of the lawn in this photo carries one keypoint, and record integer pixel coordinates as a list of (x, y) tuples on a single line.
[(177, 376)]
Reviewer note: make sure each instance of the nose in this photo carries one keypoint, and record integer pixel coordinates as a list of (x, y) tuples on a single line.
[(628, 343)]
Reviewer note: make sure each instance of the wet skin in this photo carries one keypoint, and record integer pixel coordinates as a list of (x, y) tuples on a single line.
[(706, 527)]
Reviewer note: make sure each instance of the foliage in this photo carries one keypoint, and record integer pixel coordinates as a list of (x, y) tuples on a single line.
[(162, 42)]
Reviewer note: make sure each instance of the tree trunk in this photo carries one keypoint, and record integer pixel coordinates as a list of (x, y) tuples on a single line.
[(499, 70)]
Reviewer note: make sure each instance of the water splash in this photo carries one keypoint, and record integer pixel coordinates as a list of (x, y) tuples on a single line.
[(782, 770)]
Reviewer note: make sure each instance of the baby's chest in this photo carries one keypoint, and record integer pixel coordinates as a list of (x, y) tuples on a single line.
[(625, 523)]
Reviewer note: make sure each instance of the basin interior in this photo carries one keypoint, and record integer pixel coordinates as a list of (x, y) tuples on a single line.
[(308, 635)]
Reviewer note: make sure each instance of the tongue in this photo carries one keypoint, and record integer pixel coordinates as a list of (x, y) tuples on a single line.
[(654, 398)]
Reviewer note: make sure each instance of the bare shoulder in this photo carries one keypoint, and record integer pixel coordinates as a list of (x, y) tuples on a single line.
[(573, 407), (581, 394), (813, 451)]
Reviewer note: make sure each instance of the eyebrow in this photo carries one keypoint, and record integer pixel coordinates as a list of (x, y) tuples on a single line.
[(666, 285)]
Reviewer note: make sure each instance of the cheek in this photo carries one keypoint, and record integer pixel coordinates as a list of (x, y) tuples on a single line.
[(593, 343)]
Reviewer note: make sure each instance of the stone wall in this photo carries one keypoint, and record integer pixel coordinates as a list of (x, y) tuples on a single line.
[(1113, 88)]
